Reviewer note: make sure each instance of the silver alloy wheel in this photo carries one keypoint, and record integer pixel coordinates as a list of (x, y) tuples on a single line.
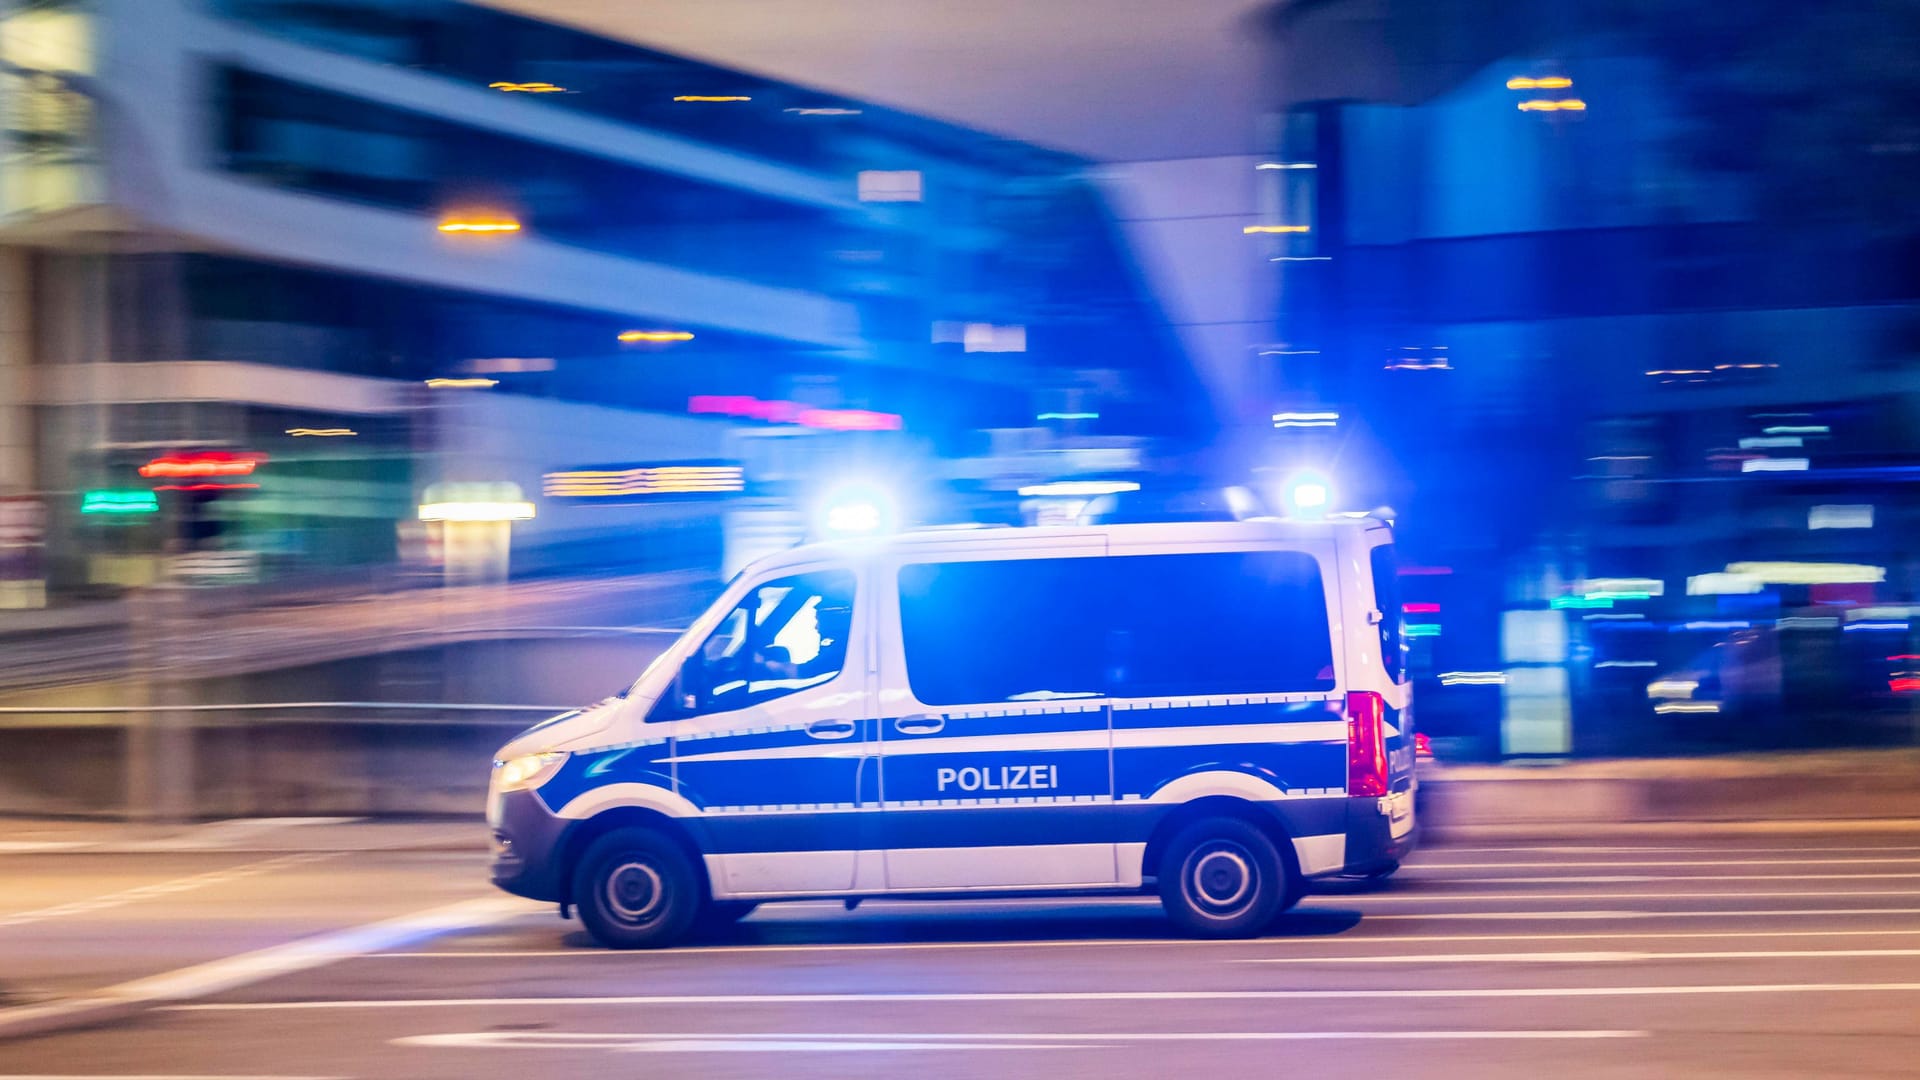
[(1221, 879), (635, 892)]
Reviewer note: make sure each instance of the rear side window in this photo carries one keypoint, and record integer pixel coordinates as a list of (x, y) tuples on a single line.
[(1126, 626), (1242, 622), (1018, 630), (1386, 596)]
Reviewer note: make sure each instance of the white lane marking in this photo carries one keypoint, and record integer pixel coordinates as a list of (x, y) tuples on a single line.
[(276, 960), (245, 968), (1424, 864), (1570, 915), (35, 847), (1673, 848), (1107, 943), (218, 834), (1627, 879), (1575, 957), (1432, 897), (971, 1040), (1052, 995), (163, 888)]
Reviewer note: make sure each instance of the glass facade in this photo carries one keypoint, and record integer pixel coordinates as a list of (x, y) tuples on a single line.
[(282, 133)]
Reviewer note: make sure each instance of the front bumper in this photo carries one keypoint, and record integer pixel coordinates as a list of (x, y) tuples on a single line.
[(528, 846)]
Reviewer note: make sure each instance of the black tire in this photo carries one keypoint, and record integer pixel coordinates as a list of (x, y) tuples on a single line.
[(1223, 878), (636, 889)]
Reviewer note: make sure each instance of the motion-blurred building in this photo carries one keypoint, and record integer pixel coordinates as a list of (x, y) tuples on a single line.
[(1603, 374), (276, 273)]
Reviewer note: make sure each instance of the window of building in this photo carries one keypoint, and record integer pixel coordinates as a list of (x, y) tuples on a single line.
[(303, 138)]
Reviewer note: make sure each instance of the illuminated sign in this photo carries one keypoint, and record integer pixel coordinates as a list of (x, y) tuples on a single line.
[(203, 464), (650, 481), (471, 502), (119, 502), (793, 412)]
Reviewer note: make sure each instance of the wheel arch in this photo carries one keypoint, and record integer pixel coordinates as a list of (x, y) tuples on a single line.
[(582, 834), (1211, 806)]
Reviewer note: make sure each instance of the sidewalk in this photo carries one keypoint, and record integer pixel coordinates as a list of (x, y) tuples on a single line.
[(1799, 791), (21, 836)]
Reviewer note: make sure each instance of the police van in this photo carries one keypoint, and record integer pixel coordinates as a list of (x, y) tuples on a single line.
[(1216, 711)]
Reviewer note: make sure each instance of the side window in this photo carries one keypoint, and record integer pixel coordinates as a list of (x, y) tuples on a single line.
[(784, 636), (1386, 597), (1245, 622), (1015, 630)]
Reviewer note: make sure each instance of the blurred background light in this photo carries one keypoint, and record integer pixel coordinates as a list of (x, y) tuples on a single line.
[(1841, 516), (1078, 488), (119, 502), (1808, 573), (484, 511), (480, 225), (203, 463), (1306, 419)]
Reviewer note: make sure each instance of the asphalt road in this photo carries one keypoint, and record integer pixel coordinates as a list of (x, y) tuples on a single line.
[(1748, 957)]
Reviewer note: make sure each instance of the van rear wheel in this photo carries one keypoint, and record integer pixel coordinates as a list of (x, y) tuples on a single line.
[(636, 889), (1223, 878)]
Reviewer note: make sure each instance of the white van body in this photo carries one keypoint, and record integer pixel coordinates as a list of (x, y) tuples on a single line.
[(991, 711)]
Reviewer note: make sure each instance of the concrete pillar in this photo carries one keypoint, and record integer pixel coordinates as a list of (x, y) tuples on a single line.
[(16, 343)]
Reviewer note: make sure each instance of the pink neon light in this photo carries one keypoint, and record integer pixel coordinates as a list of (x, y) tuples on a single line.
[(792, 412)]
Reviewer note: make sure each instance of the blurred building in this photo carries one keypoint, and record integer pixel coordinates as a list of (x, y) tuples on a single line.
[(1597, 371), (274, 269)]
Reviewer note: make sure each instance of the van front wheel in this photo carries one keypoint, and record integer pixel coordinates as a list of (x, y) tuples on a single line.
[(636, 889), (1222, 878)]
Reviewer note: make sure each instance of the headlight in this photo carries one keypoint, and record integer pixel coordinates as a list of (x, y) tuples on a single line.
[(527, 770)]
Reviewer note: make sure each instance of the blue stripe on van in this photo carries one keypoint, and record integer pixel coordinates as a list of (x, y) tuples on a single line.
[(1292, 767), (981, 826), (639, 763), (1263, 712)]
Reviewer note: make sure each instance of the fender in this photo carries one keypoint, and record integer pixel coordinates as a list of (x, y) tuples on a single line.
[(1199, 785), (609, 796)]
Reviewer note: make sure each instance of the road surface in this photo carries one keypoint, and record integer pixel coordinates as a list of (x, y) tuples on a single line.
[(1732, 957)]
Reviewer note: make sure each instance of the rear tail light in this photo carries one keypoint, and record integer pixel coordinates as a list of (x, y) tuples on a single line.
[(1367, 744), (1422, 744)]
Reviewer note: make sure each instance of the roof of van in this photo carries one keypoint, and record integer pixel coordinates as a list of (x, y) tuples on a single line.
[(1176, 531)]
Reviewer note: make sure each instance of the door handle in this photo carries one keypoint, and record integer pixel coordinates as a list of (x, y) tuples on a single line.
[(919, 724), (831, 729)]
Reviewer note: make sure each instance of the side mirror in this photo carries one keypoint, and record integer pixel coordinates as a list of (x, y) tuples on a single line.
[(689, 686)]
